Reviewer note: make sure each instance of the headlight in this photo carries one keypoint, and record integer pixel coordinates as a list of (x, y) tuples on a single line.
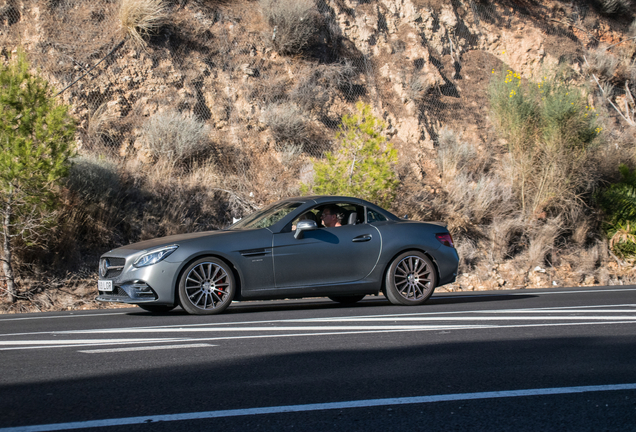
[(154, 256)]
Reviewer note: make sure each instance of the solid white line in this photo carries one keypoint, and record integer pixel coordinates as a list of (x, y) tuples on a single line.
[(319, 407), (525, 292), (626, 318), (62, 316), (571, 292), (146, 348), (89, 341), (29, 345)]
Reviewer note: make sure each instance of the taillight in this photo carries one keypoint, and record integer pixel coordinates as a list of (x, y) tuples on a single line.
[(445, 239)]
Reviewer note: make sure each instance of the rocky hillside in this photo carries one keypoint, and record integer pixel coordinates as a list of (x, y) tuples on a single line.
[(261, 100)]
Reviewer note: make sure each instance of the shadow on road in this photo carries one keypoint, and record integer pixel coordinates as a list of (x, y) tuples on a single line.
[(246, 307)]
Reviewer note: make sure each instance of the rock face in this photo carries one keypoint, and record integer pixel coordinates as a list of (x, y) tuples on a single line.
[(410, 56)]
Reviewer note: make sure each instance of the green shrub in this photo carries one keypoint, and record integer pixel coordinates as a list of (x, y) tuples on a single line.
[(618, 202), (550, 130), (362, 166), (36, 141)]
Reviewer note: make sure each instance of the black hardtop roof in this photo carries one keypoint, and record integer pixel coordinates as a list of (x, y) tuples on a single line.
[(319, 199)]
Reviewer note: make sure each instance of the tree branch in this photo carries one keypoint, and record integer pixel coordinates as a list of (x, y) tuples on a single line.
[(629, 121)]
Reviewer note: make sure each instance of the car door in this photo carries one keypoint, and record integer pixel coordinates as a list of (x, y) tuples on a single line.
[(325, 256)]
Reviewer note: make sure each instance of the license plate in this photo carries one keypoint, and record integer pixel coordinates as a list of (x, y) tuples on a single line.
[(105, 285)]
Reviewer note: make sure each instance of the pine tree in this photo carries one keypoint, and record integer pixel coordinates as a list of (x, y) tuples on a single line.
[(363, 166), (36, 138)]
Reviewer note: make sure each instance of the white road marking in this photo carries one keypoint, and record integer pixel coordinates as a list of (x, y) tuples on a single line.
[(319, 407), (145, 348), (341, 333), (532, 292), (326, 326), (71, 315), (335, 319), (439, 296), (73, 343), (86, 341)]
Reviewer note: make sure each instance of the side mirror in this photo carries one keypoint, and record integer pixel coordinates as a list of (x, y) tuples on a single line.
[(304, 225)]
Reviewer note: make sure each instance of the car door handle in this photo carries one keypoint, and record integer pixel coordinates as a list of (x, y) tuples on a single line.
[(362, 238)]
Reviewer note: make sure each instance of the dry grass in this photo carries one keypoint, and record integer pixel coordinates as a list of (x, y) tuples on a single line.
[(101, 126), (470, 203), (140, 18), (417, 86), (542, 237), (287, 123), (318, 85), (293, 23), (601, 63), (474, 194), (616, 6), (176, 137), (500, 235)]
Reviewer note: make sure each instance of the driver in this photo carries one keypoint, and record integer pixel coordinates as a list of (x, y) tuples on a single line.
[(332, 216)]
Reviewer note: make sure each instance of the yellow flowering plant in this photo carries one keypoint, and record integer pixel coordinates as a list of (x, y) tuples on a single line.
[(548, 125)]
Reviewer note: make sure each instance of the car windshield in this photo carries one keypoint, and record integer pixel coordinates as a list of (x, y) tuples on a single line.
[(266, 217)]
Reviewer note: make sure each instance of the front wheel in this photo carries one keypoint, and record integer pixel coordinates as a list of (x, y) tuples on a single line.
[(411, 279), (206, 287), (347, 299)]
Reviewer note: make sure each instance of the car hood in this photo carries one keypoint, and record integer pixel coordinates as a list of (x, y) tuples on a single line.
[(169, 240)]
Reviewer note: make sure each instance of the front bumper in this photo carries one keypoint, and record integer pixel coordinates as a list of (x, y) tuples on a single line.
[(131, 292), (154, 284)]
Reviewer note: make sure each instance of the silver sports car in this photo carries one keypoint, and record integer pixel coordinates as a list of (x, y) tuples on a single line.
[(339, 247)]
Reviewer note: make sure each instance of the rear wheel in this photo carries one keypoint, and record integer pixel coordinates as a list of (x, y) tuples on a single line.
[(156, 308), (347, 299), (411, 279), (206, 287)]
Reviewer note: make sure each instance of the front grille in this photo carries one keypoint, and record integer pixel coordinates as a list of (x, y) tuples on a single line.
[(118, 294), (115, 262)]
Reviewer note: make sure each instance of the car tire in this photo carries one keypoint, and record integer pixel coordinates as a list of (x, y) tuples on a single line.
[(410, 279), (206, 287), (156, 308), (347, 299)]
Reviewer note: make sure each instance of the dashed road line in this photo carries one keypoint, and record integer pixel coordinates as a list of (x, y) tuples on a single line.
[(146, 348)]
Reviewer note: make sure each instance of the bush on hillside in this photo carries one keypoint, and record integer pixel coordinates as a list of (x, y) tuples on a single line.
[(550, 130), (174, 136), (287, 124), (95, 179), (363, 165), (293, 23), (618, 202), (140, 18), (37, 137)]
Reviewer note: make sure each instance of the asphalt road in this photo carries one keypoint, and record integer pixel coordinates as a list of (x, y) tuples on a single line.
[(532, 360)]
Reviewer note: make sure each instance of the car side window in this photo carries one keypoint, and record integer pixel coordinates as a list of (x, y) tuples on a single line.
[(347, 213), (374, 216), (309, 215)]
